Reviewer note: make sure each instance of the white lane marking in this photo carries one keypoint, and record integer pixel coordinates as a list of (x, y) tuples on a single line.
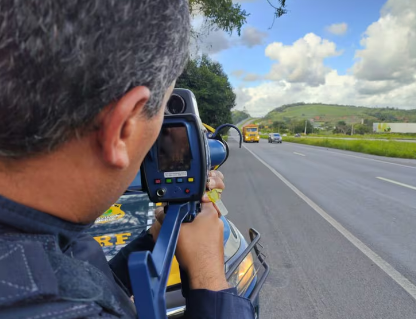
[(360, 157), (402, 281), (397, 183), (300, 154)]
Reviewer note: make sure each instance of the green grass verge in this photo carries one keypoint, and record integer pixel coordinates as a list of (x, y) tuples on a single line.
[(387, 136), (381, 148)]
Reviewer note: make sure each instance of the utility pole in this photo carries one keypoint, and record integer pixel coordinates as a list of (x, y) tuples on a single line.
[(352, 129), (306, 122)]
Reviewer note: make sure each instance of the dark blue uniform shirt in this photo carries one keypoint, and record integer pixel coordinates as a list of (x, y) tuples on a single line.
[(51, 268)]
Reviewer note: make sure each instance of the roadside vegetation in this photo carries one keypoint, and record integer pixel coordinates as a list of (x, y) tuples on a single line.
[(334, 120), (238, 116), (381, 148), (384, 136), (329, 115)]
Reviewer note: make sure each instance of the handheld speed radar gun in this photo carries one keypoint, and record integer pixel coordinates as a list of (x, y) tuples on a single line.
[(174, 171)]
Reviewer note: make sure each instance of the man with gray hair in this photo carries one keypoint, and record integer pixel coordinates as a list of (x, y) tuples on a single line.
[(83, 90)]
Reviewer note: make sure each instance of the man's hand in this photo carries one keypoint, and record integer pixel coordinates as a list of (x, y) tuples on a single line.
[(157, 224), (200, 250), (216, 180)]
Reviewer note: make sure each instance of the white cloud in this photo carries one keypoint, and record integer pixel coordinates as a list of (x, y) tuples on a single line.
[(261, 99), (375, 87), (338, 28), (212, 42), (252, 77), (242, 98), (205, 40), (384, 73), (303, 61), (238, 73), (388, 57), (339, 89), (215, 42), (245, 76), (251, 37)]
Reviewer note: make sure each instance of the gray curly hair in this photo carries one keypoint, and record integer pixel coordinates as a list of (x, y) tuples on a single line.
[(63, 61)]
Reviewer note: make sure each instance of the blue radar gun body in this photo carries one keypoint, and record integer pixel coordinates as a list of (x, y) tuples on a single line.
[(175, 171)]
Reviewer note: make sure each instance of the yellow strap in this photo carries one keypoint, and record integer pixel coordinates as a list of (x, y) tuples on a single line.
[(213, 195), (209, 128)]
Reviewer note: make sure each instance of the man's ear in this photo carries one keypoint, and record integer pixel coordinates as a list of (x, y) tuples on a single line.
[(118, 124)]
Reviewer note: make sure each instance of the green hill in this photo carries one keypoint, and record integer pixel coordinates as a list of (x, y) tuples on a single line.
[(331, 114), (237, 116)]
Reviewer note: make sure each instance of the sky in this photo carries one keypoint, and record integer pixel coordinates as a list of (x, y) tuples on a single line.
[(351, 52)]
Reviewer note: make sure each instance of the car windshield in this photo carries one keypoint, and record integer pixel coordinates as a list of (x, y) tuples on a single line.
[(253, 129), (276, 135)]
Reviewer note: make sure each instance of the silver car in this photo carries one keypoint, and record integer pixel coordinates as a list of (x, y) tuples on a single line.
[(275, 137)]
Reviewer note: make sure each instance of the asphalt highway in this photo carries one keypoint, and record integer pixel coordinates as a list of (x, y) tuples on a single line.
[(338, 228)]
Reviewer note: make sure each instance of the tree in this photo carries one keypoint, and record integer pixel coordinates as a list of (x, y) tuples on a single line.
[(342, 128), (222, 14), (299, 127), (362, 129), (279, 125), (227, 15), (328, 127), (213, 92)]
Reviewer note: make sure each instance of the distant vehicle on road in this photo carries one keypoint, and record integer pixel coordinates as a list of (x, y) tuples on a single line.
[(297, 135), (275, 137), (251, 133)]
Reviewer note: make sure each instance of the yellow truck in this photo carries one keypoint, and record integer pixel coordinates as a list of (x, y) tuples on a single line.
[(251, 133)]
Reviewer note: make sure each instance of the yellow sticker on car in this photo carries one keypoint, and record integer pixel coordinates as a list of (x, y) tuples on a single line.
[(112, 214)]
